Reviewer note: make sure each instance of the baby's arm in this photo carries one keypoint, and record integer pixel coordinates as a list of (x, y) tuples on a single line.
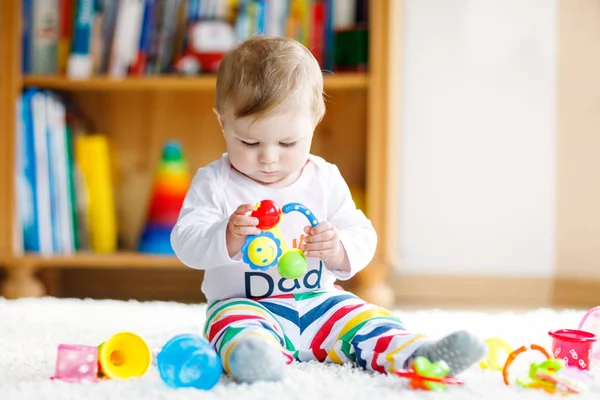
[(199, 237), (357, 235)]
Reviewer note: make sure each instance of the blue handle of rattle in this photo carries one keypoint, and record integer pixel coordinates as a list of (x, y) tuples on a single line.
[(288, 208)]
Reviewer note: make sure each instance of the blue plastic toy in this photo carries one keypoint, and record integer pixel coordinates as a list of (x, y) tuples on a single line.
[(189, 360)]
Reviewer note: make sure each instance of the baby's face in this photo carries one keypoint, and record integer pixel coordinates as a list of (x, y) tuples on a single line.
[(271, 150)]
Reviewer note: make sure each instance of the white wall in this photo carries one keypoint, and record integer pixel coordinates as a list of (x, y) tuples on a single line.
[(478, 137)]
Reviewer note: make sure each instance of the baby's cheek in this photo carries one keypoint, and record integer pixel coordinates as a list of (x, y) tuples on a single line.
[(299, 159), (241, 159)]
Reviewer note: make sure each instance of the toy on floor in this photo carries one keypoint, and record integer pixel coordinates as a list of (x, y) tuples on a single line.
[(171, 182), (124, 355), (76, 363), (268, 248), (591, 323), (512, 356), (497, 354), (551, 375), (189, 361), (426, 375), (573, 346)]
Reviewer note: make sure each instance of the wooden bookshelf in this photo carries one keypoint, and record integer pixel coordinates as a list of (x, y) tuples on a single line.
[(358, 134), (112, 260), (343, 81)]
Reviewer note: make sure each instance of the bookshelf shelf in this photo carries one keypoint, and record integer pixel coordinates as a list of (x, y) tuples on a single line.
[(343, 81), (94, 260)]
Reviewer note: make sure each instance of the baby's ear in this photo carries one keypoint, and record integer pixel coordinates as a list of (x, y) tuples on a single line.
[(221, 122)]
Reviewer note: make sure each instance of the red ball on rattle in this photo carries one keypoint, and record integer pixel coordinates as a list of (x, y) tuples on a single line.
[(268, 214)]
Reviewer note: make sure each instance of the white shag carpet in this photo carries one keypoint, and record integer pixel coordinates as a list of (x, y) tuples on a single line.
[(31, 330)]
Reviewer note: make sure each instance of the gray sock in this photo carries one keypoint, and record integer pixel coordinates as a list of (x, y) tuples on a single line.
[(255, 359), (459, 350)]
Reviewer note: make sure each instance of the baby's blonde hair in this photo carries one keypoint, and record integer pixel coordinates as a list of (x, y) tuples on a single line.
[(264, 74)]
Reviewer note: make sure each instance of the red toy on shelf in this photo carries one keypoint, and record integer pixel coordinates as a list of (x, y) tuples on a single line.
[(208, 41)]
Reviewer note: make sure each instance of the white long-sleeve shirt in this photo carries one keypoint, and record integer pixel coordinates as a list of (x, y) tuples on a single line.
[(199, 237)]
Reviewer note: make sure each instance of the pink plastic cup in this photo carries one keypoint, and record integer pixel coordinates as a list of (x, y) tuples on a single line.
[(573, 346), (591, 323)]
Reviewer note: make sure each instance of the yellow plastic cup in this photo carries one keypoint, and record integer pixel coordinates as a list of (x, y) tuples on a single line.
[(124, 355)]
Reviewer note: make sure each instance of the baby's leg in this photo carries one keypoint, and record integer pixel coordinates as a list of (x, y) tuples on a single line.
[(459, 350), (370, 336), (249, 340), (355, 331), (384, 346)]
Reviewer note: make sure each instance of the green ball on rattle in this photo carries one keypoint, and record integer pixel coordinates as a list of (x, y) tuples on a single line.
[(292, 264)]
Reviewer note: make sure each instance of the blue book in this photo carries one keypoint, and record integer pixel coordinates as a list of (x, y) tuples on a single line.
[(139, 66), (42, 168), (260, 10), (27, 176), (52, 173), (80, 60), (26, 25)]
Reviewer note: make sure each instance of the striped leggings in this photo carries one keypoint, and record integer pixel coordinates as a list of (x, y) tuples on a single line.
[(325, 325)]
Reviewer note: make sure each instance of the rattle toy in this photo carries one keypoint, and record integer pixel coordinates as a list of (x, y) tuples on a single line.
[(426, 375), (268, 248), (189, 361), (551, 375)]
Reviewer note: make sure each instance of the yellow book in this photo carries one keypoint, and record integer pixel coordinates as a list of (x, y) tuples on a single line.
[(63, 55), (92, 156)]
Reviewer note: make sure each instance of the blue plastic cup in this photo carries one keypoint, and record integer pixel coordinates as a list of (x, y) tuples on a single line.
[(189, 360)]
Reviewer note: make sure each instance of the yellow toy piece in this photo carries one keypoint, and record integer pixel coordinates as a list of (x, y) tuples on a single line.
[(498, 351), (263, 251), (124, 355)]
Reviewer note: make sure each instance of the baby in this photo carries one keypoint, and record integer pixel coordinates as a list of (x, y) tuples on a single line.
[(269, 99)]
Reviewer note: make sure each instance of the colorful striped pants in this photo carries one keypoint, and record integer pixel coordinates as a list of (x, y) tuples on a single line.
[(324, 325)]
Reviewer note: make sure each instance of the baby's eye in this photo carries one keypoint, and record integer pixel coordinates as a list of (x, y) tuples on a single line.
[(248, 144), (291, 144)]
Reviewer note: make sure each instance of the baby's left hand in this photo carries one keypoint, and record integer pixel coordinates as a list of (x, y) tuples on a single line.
[(323, 241)]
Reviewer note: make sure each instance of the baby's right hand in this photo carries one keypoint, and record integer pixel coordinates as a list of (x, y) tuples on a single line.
[(240, 225)]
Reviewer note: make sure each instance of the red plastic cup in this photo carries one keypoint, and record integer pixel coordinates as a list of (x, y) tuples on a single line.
[(573, 346)]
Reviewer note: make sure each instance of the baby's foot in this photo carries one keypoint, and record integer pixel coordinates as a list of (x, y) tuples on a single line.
[(459, 350), (254, 359)]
